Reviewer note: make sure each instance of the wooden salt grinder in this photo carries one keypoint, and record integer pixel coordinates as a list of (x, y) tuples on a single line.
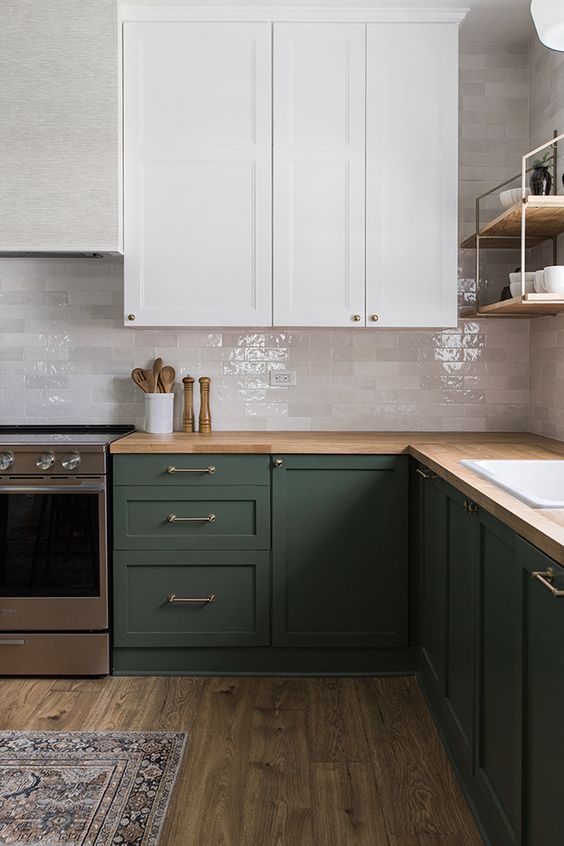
[(205, 413), (188, 422)]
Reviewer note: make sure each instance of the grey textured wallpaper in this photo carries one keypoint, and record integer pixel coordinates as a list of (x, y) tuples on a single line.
[(59, 144)]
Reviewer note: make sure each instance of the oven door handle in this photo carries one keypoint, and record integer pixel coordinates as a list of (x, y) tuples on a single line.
[(98, 487)]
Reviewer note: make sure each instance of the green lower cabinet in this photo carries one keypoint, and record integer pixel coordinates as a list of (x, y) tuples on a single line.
[(492, 664), (339, 541), (459, 614), (432, 579), (543, 700), (151, 590), (499, 682)]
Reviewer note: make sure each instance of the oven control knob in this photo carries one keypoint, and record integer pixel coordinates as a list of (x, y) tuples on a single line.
[(71, 461), (6, 460), (45, 461)]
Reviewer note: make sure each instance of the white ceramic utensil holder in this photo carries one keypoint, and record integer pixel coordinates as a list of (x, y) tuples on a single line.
[(159, 410)]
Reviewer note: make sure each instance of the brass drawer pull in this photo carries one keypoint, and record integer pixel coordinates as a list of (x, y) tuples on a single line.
[(172, 518), (202, 600), (426, 474), (171, 470), (545, 578)]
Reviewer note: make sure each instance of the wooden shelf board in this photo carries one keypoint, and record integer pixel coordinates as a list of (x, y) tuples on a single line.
[(545, 219), (534, 305)]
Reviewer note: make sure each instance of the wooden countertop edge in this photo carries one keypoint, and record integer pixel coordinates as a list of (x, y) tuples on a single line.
[(535, 525), (268, 443), (440, 452)]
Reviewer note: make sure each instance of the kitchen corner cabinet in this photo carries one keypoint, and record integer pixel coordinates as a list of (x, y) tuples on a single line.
[(339, 546), (59, 134), (503, 639), (273, 171)]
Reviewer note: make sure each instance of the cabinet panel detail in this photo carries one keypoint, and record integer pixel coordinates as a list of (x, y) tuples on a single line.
[(411, 174), (197, 175), (339, 551), (319, 128)]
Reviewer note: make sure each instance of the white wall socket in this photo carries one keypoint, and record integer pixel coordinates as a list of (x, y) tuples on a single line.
[(283, 378)]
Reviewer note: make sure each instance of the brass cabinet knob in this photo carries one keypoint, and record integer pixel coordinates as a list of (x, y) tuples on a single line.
[(357, 318), (375, 318), (131, 317)]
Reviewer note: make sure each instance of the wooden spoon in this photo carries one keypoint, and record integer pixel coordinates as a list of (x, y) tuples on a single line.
[(157, 367), (139, 376), (166, 379)]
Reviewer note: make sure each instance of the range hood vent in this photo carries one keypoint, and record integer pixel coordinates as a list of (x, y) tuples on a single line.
[(46, 254)]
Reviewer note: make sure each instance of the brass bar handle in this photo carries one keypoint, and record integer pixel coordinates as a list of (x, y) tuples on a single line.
[(171, 470), (7, 641), (426, 474), (545, 578), (470, 507), (199, 600), (172, 518)]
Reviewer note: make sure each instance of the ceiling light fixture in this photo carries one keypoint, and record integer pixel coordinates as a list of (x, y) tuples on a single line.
[(548, 16)]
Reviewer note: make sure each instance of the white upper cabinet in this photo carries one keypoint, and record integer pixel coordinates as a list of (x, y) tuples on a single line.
[(411, 169), (294, 171), (319, 140), (59, 126), (197, 173)]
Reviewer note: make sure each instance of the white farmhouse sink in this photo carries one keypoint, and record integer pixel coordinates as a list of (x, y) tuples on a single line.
[(538, 483)]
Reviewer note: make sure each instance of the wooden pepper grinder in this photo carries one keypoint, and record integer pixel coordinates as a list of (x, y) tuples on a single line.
[(188, 421), (205, 413)]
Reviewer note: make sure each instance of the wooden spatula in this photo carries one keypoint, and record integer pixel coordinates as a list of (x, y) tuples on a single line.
[(139, 376)]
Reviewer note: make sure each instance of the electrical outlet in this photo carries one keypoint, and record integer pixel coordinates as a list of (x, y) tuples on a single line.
[(283, 378)]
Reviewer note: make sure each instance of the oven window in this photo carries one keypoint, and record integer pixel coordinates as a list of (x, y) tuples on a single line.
[(49, 545)]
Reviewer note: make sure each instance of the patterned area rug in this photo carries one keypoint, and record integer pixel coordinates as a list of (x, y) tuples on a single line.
[(86, 788)]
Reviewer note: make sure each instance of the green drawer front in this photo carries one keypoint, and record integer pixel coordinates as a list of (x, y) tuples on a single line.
[(143, 518), (144, 581), (170, 470)]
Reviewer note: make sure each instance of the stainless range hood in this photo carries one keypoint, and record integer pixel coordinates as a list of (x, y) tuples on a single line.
[(49, 254)]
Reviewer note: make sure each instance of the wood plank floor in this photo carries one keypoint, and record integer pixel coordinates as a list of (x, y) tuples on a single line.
[(276, 762)]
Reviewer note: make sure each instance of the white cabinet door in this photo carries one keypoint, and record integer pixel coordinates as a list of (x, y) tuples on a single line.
[(197, 173), (411, 163), (319, 135)]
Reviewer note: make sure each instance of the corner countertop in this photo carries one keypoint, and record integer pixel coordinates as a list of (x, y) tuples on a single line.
[(440, 451)]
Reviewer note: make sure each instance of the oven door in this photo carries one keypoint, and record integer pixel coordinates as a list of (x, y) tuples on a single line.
[(53, 557)]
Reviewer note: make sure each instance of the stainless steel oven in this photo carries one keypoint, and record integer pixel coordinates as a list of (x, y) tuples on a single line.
[(54, 551), (53, 556)]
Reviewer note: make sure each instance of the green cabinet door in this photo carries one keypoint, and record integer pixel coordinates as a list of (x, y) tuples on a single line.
[(500, 682), (544, 699), (432, 579), (460, 536), (339, 541)]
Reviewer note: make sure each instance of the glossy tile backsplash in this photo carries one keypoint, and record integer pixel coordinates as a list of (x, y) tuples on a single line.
[(65, 355)]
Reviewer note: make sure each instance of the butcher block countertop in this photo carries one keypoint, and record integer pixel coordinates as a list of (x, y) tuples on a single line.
[(439, 451)]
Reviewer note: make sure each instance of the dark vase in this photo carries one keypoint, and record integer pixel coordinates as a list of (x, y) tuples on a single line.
[(541, 181)]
